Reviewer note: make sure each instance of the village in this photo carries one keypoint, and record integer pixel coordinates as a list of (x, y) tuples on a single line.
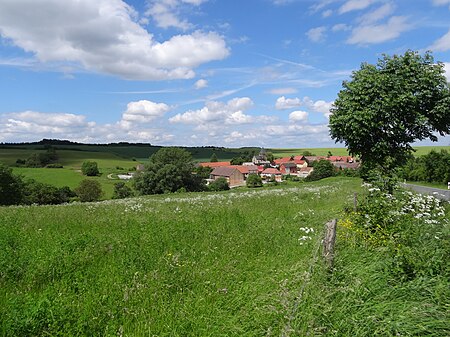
[(297, 166)]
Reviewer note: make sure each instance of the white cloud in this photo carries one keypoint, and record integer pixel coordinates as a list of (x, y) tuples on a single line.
[(144, 111), (327, 13), (298, 116), (340, 27), (378, 14), (442, 44), (201, 83), (447, 71), (441, 2), (284, 103), (319, 106), (102, 36), (353, 5), (217, 113), (316, 34), (282, 91), (370, 34), (166, 13)]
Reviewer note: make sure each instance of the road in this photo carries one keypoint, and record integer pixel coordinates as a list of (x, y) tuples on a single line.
[(437, 192)]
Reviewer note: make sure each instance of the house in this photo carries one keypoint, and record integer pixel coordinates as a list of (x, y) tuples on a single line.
[(346, 165), (288, 168), (305, 171), (298, 160), (261, 158), (215, 164), (312, 159), (233, 176), (271, 172), (246, 169)]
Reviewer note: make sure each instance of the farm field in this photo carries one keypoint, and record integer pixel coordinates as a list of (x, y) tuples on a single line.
[(189, 264)]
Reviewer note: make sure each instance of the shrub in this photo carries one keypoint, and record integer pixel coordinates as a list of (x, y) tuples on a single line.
[(90, 168), (45, 194), (55, 165), (254, 180), (220, 184), (322, 169), (10, 187), (121, 190), (89, 190)]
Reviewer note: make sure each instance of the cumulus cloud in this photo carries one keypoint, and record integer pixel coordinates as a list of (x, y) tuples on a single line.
[(284, 103), (103, 36), (298, 116), (166, 13), (201, 83), (144, 111), (442, 44), (378, 33), (316, 34), (319, 106), (215, 112)]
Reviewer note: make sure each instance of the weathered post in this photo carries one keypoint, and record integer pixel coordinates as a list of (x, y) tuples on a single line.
[(355, 202), (328, 243)]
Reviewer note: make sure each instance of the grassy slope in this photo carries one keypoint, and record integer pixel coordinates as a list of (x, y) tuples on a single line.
[(200, 264)]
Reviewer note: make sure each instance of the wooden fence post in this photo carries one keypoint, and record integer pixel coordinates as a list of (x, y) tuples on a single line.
[(328, 242), (355, 202)]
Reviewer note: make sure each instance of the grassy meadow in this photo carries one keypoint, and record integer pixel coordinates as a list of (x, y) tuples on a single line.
[(204, 264)]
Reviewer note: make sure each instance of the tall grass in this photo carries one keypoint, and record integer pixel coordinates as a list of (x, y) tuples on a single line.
[(227, 264)]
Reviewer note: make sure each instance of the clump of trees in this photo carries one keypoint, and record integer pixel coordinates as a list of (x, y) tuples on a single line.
[(122, 190), (90, 169), (386, 107), (89, 190), (14, 190), (322, 169), (254, 180), (48, 158), (169, 170), (220, 184), (433, 167)]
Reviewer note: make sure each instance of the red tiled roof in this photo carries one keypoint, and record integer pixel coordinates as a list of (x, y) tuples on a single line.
[(271, 171), (224, 171), (246, 169), (215, 164)]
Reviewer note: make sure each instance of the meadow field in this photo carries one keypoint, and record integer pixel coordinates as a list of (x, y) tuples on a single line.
[(238, 263)]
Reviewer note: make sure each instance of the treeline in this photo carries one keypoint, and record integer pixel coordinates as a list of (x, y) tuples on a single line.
[(433, 167)]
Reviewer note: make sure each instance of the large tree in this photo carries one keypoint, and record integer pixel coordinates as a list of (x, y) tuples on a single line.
[(386, 107), (169, 170)]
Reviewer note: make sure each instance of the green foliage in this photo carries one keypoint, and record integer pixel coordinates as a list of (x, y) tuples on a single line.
[(169, 170), (90, 168), (203, 171), (307, 153), (237, 161), (89, 190), (386, 107), (214, 158), (433, 167), (45, 194), (10, 187), (122, 190), (322, 169), (220, 184), (254, 180), (205, 264)]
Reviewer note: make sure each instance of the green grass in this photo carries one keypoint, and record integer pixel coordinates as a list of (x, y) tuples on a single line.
[(224, 264)]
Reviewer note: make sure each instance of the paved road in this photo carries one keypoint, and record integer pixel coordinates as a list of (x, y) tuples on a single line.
[(437, 192)]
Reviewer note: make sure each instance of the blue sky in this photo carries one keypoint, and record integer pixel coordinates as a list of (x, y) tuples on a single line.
[(197, 72)]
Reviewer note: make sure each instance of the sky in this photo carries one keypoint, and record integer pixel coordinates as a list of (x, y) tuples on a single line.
[(227, 73)]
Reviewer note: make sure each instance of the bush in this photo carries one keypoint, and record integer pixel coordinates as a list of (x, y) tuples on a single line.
[(121, 190), (90, 169), (89, 190), (254, 180), (220, 184), (45, 194), (55, 165), (10, 187), (322, 169)]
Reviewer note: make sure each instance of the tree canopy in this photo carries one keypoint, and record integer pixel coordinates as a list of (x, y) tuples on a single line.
[(386, 107), (169, 170)]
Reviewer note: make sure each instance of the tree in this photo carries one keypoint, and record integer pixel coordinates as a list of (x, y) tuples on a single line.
[(90, 168), (10, 187), (121, 190), (214, 158), (168, 170), (386, 107), (89, 190), (254, 180), (220, 184), (322, 169)]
